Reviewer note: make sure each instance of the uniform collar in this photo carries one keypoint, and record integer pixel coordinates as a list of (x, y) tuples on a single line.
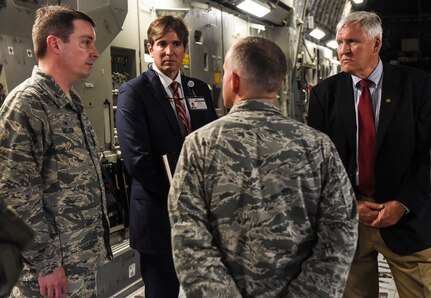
[(254, 104), (58, 96)]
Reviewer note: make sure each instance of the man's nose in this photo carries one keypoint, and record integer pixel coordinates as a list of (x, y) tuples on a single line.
[(94, 52), (343, 47), (170, 49)]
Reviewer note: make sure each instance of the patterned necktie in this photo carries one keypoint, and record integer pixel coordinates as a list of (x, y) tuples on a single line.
[(366, 140), (181, 109)]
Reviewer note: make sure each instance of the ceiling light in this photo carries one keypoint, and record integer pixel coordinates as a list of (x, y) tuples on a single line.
[(179, 12), (317, 33), (333, 44), (254, 7), (258, 27), (358, 1)]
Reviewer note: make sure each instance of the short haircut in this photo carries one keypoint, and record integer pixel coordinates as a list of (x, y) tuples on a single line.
[(54, 20), (160, 26), (261, 61), (369, 21)]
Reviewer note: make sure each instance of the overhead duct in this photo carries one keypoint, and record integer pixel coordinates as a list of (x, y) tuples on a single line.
[(16, 47), (108, 15), (326, 13)]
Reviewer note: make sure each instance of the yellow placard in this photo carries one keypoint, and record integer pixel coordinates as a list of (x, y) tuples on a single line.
[(217, 77), (186, 60)]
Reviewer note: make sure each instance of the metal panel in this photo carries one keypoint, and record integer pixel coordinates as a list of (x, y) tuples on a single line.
[(205, 47), (109, 17), (17, 58), (18, 20), (96, 94), (121, 276)]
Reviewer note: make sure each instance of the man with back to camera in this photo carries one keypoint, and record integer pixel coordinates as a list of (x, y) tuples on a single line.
[(260, 204), (49, 161), (155, 112), (379, 118), (15, 236)]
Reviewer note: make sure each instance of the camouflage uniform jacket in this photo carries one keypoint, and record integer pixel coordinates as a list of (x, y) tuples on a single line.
[(50, 174), (261, 206)]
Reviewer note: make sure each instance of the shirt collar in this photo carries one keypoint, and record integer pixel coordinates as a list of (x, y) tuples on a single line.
[(374, 77), (164, 79)]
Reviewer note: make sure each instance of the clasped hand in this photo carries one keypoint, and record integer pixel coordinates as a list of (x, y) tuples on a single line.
[(380, 215)]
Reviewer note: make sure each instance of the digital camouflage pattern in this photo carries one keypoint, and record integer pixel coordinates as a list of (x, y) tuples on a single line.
[(51, 176), (261, 206)]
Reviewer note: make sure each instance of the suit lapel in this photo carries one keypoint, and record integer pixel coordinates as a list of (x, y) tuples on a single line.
[(345, 101), (186, 91), (391, 90), (161, 98)]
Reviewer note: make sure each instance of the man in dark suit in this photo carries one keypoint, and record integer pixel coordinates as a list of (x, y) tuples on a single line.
[(379, 118), (154, 114)]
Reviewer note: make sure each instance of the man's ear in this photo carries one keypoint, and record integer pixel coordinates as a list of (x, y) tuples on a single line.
[(52, 43), (150, 49), (377, 44), (235, 82)]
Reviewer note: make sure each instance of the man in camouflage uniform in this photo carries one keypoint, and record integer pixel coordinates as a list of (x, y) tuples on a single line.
[(49, 161), (260, 204)]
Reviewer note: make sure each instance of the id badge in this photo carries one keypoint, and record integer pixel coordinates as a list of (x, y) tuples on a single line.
[(197, 103)]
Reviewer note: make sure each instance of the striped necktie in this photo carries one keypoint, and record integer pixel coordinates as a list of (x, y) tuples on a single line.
[(180, 108)]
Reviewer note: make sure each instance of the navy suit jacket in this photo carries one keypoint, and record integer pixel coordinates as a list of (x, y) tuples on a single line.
[(147, 129), (402, 159)]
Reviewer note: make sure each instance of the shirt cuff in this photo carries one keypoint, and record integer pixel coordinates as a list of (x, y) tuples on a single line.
[(407, 209)]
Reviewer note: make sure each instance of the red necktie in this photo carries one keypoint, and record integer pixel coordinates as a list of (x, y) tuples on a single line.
[(181, 109), (366, 140)]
